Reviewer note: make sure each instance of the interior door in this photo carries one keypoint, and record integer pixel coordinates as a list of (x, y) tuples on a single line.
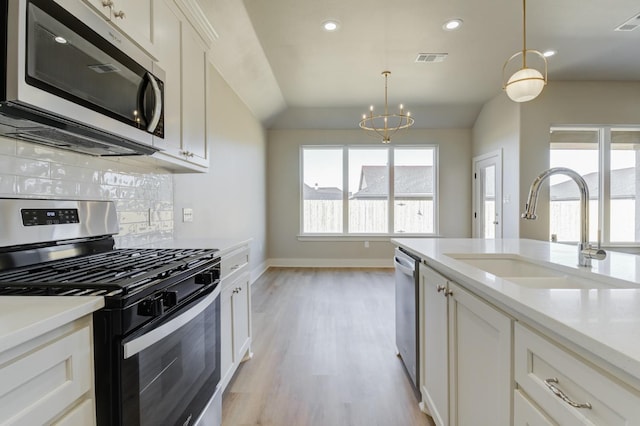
[(487, 194)]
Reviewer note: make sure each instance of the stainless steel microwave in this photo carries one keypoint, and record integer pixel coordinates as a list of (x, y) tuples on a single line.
[(72, 81)]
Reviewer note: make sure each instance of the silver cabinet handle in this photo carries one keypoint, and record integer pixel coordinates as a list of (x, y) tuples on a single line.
[(551, 384), (234, 267), (443, 289)]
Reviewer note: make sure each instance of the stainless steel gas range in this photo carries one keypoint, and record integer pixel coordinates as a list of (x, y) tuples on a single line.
[(157, 340)]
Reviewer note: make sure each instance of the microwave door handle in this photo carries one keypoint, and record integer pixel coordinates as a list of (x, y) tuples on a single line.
[(157, 108)]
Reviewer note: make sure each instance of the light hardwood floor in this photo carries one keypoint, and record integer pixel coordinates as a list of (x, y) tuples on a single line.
[(324, 353)]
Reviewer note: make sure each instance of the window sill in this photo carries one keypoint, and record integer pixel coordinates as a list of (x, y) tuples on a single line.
[(357, 238)]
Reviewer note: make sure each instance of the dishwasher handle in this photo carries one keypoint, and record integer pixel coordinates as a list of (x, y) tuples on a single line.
[(405, 266)]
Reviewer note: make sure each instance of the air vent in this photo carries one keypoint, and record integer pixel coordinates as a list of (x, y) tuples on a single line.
[(630, 24), (426, 58)]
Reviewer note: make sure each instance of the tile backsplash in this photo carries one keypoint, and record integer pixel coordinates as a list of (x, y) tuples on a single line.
[(143, 195)]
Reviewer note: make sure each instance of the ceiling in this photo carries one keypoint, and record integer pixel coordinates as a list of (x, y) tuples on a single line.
[(285, 67)]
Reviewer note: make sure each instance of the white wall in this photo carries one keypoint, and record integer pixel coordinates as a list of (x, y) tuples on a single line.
[(283, 159), (230, 200), (498, 128), (567, 103), (138, 190)]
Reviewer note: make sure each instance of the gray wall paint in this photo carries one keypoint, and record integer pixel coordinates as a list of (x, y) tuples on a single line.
[(230, 200), (283, 154), (567, 103), (498, 128)]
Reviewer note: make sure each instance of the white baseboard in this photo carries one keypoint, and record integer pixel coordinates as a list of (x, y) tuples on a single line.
[(258, 271), (331, 263)]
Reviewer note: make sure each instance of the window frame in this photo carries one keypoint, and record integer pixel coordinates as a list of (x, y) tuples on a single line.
[(604, 178), (345, 235)]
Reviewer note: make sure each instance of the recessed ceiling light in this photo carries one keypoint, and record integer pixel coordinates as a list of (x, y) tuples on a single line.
[(549, 53), (330, 25), (60, 40), (452, 24)]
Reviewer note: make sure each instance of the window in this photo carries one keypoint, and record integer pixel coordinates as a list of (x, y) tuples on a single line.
[(607, 159), (371, 205)]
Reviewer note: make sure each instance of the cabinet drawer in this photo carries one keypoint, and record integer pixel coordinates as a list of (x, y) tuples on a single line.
[(549, 373), (234, 261), (35, 387), (82, 415)]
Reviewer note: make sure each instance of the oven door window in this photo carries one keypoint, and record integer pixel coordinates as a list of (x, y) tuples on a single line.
[(171, 381), (68, 59)]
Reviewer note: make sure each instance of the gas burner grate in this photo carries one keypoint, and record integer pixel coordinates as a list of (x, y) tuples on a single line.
[(120, 271)]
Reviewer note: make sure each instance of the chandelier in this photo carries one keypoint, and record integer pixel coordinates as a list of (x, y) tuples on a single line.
[(526, 83), (385, 125)]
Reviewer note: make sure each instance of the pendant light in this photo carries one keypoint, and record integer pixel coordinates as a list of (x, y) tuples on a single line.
[(526, 83)]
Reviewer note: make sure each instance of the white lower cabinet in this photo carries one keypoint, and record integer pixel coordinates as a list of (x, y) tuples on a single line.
[(435, 347), (467, 345), (526, 413), (235, 312), (481, 366), (49, 380), (569, 389), (481, 383)]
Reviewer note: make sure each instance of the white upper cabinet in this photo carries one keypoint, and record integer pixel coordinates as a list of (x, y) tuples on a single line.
[(133, 18), (182, 55)]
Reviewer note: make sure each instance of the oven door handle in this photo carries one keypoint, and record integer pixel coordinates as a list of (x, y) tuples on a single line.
[(141, 343)]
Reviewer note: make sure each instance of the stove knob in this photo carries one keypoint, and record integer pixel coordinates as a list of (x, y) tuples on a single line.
[(170, 299), (205, 278), (151, 307)]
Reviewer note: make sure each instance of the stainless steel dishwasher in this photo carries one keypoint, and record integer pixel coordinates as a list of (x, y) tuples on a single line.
[(407, 297)]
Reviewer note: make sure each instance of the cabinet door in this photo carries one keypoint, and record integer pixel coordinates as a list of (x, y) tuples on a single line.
[(194, 96), (241, 305), (101, 6), (434, 349), (167, 30), (134, 19), (226, 335), (480, 361), (525, 413), (41, 384)]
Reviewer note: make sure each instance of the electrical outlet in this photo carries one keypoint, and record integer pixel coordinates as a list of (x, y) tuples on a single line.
[(187, 214), (366, 244)]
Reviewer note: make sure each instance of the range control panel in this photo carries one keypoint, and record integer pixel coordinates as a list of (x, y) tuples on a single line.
[(37, 217)]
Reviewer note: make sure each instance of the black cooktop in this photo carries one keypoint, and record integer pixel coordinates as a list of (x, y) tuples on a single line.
[(118, 273)]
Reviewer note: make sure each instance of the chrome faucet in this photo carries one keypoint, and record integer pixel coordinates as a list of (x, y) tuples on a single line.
[(585, 251)]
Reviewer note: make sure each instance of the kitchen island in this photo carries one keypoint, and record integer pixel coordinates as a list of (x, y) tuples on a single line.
[(590, 315)]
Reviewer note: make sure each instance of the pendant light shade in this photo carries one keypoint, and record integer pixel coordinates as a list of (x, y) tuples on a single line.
[(526, 83)]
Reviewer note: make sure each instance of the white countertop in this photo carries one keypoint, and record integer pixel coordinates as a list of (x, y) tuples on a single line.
[(225, 245), (604, 322), (23, 318)]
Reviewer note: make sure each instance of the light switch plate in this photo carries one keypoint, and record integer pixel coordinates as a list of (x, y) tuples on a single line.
[(187, 214)]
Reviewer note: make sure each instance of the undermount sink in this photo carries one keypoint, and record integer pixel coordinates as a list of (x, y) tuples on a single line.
[(523, 272)]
